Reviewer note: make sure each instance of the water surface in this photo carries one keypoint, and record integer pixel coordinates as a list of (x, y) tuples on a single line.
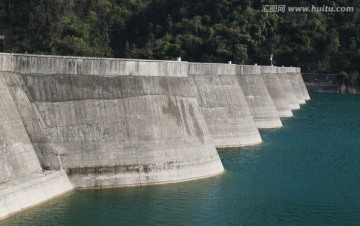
[(306, 173)]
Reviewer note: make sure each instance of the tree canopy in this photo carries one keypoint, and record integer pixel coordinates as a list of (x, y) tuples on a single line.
[(202, 31)]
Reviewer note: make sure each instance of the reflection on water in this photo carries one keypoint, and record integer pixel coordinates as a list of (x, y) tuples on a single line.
[(307, 172)]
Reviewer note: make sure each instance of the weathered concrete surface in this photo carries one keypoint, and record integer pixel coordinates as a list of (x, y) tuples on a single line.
[(302, 84), (22, 181), (116, 130), (321, 83), (17, 156), (55, 65), (25, 192), (287, 88), (296, 85), (260, 102), (276, 90), (120, 122), (224, 105)]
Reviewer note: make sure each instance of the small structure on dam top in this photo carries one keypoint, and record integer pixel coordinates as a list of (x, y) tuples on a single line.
[(77, 122)]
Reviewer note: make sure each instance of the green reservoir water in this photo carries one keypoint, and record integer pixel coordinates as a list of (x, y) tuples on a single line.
[(306, 173)]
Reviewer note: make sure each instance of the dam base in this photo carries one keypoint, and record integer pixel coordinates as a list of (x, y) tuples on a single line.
[(23, 193)]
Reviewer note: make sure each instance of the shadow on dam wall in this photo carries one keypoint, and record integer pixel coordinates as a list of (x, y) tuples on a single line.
[(76, 122)]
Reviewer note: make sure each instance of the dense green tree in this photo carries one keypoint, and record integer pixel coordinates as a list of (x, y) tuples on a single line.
[(205, 31)]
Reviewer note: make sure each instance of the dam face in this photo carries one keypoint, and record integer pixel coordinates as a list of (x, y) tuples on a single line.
[(258, 97), (294, 80), (302, 84), (77, 122), (15, 144), (116, 130), (224, 105), (22, 181), (273, 84)]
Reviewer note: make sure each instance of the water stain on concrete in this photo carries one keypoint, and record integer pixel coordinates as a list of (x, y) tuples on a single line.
[(187, 127), (198, 131), (173, 110)]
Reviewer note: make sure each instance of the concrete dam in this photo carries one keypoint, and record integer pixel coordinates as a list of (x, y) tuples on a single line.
[(77, 122)]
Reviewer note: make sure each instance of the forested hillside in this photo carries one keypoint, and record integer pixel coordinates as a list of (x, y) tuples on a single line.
[(205, 31)]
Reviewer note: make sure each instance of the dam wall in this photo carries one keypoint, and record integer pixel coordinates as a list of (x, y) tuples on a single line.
[(23, 182), (26, 192), (332, 83), (223, 104), (55, 65), (276, 90), (294, 80), (282, 73), (17, 156), (108, 128), (261, 104), (321, 83), (302, 84), (79, 122)]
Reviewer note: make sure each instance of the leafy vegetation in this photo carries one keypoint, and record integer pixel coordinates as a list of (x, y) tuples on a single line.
[(204, 31), (342, 76)]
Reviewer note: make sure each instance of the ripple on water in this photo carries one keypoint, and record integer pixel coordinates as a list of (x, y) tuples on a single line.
[(306, 173)]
